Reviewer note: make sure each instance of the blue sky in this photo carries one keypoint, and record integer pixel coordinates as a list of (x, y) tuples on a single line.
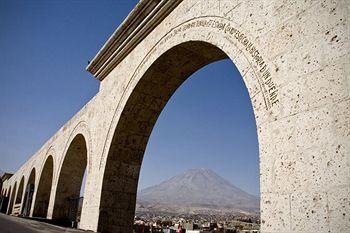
[(45, 47)]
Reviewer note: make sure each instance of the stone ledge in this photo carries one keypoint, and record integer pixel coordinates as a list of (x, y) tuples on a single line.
[(138, 24)]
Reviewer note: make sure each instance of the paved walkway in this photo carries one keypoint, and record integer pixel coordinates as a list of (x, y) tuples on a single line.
[(10, 224)]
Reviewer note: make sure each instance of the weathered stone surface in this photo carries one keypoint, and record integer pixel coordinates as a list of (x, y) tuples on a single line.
[(294, 59)]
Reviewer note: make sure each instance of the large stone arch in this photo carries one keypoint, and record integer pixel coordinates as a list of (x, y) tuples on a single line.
[(28, 193), (8, 195), (3, 192), (180, 52), (5, 199), (70, 177), (218, 38), (81, 128), (43, 189), (20, 191), (135, 124), (12, 198)]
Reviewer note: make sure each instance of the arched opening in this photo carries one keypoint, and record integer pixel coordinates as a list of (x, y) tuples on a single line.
[(68, 203), (18, 203), (135, 125), (12, 198), (28, 195), (42, 197), (20, 192), (201, 162), (5, 200)]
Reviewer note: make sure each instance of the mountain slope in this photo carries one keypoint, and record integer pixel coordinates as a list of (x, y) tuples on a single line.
[(199, 188)]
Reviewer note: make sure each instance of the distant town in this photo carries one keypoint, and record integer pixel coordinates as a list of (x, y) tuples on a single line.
[(195, 223)]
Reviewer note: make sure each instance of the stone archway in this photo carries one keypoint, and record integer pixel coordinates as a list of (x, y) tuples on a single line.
[(139, 115), (5, 200), (12, 198), (70, 180), (42, 198), (20, 190), (28, 194)]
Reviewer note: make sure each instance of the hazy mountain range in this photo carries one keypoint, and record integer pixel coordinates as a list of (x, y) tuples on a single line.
[(197, 191)]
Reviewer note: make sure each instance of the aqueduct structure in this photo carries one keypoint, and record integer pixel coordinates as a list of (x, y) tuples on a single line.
[(294, 58)]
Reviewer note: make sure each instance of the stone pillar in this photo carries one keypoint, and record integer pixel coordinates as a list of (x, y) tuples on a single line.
[(91, 204)]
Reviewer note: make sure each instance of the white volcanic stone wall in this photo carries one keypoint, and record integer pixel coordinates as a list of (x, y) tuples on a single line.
[(294, 59)]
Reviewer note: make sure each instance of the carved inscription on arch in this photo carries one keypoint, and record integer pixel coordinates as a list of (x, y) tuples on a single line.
[(268, 86)]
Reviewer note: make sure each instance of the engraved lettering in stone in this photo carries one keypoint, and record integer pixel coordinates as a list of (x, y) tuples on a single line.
[(263, 68), (270, 86)]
